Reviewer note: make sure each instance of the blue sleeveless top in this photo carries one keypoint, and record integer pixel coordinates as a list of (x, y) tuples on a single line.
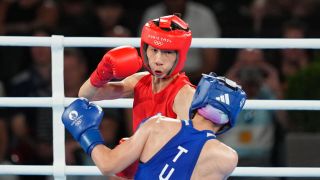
[(177, 159)]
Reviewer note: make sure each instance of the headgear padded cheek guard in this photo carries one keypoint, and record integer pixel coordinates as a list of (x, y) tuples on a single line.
[(167, 33), (220, 93)]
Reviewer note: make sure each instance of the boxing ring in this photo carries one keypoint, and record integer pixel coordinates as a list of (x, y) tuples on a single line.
[(59, 170)]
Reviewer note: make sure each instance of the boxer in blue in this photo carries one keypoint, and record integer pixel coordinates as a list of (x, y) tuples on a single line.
[(168, 148)]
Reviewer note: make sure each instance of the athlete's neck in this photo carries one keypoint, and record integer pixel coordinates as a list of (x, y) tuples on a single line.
[(200, 123), (158, 84)]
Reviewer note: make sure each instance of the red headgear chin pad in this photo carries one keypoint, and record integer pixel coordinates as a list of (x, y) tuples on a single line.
[(167, 33)]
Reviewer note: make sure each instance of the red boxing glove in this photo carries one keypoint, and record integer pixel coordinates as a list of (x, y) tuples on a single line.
[(117, 63), (130, 171)]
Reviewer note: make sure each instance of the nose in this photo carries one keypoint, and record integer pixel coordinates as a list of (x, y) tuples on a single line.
[(158, 58)]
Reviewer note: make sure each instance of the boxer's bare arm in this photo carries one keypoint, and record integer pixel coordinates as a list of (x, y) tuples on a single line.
[(111, 90), (115, 160)]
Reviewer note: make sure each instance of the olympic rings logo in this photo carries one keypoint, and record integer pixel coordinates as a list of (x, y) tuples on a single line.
[(75, 118), (158, 43), (73, 115)]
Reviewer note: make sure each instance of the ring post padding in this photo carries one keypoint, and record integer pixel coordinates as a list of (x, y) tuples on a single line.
[(57, 65)]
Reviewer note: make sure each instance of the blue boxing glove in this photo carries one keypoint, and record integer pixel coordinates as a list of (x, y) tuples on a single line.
[(82, 120)]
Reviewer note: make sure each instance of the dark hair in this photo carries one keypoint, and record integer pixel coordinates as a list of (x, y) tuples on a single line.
[(41, 29), (77, 53), (294, 24)]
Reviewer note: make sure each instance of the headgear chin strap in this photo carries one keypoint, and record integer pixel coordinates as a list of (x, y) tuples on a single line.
[(221, 94), (214, 115)]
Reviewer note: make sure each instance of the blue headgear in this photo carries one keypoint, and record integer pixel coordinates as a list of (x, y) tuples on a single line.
[(222, 94)]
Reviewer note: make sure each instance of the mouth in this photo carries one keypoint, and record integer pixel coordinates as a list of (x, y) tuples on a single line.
[(158, 73)]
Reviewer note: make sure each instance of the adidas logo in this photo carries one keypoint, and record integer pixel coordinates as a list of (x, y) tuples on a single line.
[(224, 98)]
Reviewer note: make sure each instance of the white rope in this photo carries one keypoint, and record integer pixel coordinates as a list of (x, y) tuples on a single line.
[(262, 43), (93, 170), (47, 102), (128, 102), (276, 172)]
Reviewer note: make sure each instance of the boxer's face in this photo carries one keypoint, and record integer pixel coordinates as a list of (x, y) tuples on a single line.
[(161, 61)]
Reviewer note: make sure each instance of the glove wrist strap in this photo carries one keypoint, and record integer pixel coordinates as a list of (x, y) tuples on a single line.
[(89, 139)]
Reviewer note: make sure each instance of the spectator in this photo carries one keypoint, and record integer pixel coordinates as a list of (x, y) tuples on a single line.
[(21, 18), (110, 15), (4, 149), (248, 59), (48, 16), (77, 19), (75, 71), (35, 81), (293, 60), (254, 136)]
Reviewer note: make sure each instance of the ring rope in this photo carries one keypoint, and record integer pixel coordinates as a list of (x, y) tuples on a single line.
[(128, 102), (237, 43), (93, 170)]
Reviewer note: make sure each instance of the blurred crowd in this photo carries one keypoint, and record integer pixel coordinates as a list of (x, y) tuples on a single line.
[(259, 137)]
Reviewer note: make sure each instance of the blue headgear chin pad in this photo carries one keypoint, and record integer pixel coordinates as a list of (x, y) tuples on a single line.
[(221, 93)]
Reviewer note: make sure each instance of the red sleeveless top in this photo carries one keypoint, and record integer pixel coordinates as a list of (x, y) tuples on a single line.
[(146, 103)]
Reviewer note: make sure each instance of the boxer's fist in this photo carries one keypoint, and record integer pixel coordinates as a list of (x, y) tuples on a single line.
[(117, 63), (82, 120)]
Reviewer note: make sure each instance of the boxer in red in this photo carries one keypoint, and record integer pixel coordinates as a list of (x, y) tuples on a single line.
[(163, 89)]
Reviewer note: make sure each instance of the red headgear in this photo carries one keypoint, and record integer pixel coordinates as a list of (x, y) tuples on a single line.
[(167, 33)]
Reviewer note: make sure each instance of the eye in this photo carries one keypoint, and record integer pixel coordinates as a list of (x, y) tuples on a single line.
[(168, 52), (154, 50)]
